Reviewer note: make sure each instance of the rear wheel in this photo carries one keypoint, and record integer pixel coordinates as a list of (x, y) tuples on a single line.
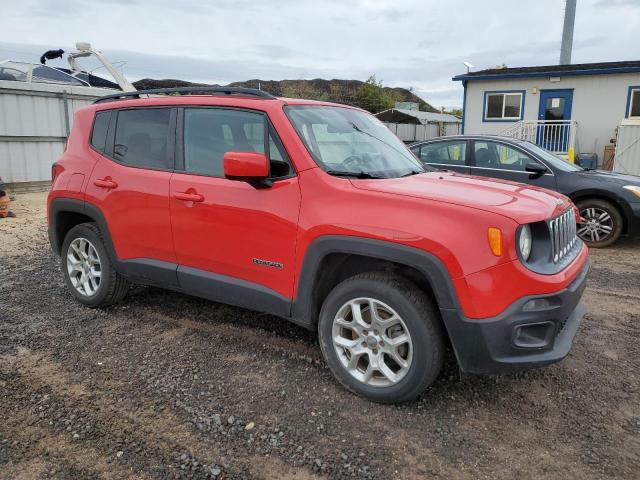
[(381, 337), (600, 222), (87, 268)]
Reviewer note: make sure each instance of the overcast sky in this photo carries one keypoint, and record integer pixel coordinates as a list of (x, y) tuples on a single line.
[(406, 43)]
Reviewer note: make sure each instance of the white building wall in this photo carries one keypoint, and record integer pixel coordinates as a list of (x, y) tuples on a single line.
[(599, 104)]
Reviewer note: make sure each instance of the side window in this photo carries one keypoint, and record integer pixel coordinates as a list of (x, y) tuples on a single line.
[(99, 132), (444, 153), (211, 132), (141, 138), (280, 163), (500, 156)]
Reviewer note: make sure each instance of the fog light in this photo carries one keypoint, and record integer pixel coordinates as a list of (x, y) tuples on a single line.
[(534, 335), (536, 304)]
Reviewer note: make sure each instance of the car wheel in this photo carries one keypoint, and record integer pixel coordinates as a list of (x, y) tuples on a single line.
[(600, 223), (87, 268), (381, 337)]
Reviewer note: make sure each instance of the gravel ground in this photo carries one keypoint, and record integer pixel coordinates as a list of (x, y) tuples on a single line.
[(168, 386)]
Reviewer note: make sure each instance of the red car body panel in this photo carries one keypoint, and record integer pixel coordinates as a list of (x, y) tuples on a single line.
[(228, 227), (235, 224)]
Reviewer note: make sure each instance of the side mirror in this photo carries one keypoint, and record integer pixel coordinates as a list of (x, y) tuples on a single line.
[(536, 169), (250, 167)]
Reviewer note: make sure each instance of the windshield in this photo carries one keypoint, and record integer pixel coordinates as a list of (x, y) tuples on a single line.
[(352, 143), (553, 159)]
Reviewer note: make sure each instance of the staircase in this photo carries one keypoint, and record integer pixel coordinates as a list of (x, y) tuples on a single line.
[(557, 136)]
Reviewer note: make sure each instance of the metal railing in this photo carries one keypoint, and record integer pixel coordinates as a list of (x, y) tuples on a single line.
[(557, 136)]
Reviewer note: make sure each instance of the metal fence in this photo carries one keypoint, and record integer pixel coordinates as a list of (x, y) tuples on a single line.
[(556, 136), (410, 132), (35, 120), (627, 159)]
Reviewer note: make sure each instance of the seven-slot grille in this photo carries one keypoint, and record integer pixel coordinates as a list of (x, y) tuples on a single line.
[(563, 234)]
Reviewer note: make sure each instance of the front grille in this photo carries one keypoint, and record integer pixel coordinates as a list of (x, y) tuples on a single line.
[(563, 234)]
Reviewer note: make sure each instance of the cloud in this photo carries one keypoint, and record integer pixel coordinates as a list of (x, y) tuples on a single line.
[(418, 43), (617, 3)]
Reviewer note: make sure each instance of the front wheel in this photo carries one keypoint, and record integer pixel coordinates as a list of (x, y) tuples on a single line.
[(381, 337), (600, 223)]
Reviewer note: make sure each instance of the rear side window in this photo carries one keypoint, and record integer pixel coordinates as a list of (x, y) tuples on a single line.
[(141, 138), (211, 132), (99, 132)]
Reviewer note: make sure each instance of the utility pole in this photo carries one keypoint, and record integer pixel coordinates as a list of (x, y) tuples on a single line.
[(567, 32)]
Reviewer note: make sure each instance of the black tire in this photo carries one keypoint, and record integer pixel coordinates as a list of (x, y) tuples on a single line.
[(422, 321), (113, 287), (616, 223)]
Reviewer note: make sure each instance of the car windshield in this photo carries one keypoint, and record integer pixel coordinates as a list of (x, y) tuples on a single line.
[(553, 159), (351, 143)]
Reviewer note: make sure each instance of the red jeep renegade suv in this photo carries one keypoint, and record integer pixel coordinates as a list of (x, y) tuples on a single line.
[(317, 213)]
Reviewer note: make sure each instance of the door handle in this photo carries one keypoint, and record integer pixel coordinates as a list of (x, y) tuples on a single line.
[(105, 183), (189, 196)]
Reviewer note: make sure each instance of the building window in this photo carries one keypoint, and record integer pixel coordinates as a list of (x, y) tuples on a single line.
[(633, 104), (503, 106)]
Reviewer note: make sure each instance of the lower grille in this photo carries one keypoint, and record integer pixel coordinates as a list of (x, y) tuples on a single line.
[(563, 234)]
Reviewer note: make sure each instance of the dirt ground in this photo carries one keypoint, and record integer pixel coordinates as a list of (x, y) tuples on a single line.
[(168, 386)]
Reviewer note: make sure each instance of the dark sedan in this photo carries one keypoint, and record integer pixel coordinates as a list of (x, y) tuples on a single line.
[(609, 202)]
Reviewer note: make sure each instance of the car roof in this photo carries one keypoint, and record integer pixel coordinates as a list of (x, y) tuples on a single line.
[(238, 101), (501, 138)]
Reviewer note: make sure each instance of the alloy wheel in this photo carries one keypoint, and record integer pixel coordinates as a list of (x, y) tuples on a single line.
[(372, 342), (83, 266), (596, 224)]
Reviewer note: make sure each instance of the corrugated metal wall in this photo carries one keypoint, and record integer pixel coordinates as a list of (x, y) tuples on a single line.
[(409, 132), (34, 122), (627, 159)]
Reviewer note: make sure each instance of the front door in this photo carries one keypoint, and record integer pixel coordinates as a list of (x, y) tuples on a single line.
[(444, 155), (228, 230), (498, 160), (555, 113)]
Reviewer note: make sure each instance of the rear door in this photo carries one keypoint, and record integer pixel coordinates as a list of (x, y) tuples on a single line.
[(444, 155), (234, 230), (130, 185), (500, 160)]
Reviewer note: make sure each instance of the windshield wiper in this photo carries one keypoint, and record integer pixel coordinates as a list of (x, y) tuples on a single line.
[(413, 172), (360, 174)]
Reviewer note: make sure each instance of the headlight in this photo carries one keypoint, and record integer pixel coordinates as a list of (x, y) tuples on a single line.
[(524, 242), (635, 189)]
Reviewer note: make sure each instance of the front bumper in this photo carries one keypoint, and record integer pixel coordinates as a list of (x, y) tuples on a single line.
[(633, 226), (519, 337)]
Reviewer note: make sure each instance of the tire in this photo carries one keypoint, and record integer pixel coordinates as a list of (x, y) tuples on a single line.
[(85, 241), (423, 354), (606, 226)]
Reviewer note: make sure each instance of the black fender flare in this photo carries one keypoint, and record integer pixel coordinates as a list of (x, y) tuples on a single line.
[(426, 263), (63, 205)]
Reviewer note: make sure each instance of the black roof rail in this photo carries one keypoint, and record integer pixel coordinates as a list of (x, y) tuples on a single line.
[(193, 90)]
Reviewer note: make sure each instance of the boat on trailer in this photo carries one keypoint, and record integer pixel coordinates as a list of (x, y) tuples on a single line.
[(37, 104)]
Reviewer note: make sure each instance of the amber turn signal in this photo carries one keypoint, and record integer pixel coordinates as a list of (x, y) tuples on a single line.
[(495, 240)]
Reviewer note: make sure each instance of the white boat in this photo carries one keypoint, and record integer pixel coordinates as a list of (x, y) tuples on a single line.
[(37, 104)]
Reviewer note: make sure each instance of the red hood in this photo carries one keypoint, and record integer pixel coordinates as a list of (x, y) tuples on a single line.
[(522, 203)]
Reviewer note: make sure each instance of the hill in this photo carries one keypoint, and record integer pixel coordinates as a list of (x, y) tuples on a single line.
[(340, 91)]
